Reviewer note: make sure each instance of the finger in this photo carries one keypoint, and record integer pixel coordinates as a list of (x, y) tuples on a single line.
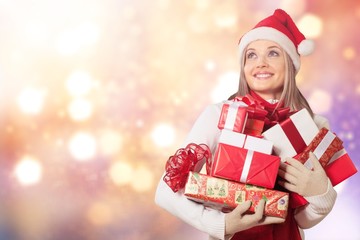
[(289, 169), (259, 211), (272, 220), (287, 176), (242, 208), (296, 164), (314, 160), (287, 185)]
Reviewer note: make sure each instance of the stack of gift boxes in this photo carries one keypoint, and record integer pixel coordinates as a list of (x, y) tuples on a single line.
[(246, 162)]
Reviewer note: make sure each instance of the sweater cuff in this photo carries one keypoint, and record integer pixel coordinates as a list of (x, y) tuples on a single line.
[(323, 203), (216, 228)]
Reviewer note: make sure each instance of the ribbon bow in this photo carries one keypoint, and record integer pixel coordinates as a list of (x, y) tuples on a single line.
[(263, 110), (182, 162)]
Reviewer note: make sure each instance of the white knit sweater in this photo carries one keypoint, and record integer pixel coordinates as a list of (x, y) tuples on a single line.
[(211, 221)]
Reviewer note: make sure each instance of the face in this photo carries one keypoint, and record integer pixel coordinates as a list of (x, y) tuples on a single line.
[(264, 68)]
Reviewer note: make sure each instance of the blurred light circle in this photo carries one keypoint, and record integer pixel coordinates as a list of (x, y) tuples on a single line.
[(82, 146), (163, 135), (28, 171), (142, 180), (79, 83), (320, 101), (80, 109), (349, 53), (75, 39), (100, 214), (31, 100), (121, 173), (310, 25), (110, 142)]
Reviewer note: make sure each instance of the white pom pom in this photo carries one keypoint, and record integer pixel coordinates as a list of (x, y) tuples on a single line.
[(306, 47)]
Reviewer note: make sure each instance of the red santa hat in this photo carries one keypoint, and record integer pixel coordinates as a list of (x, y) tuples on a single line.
[(279, 28)]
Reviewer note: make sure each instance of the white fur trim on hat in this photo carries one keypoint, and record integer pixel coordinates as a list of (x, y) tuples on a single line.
[(268, 33), (306, 47)]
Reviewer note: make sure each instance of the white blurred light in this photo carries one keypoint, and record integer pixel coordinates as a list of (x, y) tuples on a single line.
[(121, 173), (28, 171), (80, 109), (210, 65), (142, 180), (320, 101), (82, 146), (163, 135), (36, 33), (73, 40), (110, 142), (31, 100), (227, 85), (79, 83), (311, 26)]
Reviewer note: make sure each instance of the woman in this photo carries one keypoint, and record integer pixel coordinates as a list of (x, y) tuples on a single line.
[(269, 56)]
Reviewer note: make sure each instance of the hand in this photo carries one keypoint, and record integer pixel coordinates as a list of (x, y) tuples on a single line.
[(238, 220), (301, 180)]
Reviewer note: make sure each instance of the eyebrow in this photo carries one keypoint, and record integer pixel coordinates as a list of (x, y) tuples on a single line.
[(271, 47)]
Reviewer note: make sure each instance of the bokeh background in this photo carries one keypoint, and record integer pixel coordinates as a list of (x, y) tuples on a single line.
[(96, 95)]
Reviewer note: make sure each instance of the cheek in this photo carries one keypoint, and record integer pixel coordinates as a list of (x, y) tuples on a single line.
[(247, 69)]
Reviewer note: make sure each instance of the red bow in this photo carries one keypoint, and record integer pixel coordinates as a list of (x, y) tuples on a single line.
[(182, 162), (263, 110)]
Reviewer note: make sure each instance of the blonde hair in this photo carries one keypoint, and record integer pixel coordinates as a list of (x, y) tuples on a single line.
[(290, 96)]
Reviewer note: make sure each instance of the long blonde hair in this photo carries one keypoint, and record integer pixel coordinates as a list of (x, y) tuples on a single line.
[(290, 96)]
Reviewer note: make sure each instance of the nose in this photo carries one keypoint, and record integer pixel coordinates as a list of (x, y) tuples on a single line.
[(261, 62)]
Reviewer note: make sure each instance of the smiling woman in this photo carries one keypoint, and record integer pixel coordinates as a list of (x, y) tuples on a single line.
[(270, 59)]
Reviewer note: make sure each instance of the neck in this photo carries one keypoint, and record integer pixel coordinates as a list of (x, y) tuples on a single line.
[(268, 96)]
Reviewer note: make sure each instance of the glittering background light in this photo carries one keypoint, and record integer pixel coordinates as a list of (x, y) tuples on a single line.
[(96, 95)]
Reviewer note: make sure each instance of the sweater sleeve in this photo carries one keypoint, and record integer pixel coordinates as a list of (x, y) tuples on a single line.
[(204, 219), (319, 206)]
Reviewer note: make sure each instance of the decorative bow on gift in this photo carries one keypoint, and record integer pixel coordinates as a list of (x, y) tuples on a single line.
[(260, 109), (182, 162)]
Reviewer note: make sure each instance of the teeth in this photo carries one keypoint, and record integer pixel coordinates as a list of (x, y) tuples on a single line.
[(262, 75)]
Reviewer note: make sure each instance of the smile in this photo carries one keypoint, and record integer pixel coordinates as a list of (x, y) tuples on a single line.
[(263, 75)]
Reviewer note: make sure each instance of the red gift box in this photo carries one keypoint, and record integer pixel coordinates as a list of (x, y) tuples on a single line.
[(246, 166), (233, 116), (324, 146), (254, 127), (292, 136), (340, 167), (225, 195)]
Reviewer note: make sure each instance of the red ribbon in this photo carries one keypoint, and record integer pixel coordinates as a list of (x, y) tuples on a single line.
[(263, 110), (293, 135), (182, 162)]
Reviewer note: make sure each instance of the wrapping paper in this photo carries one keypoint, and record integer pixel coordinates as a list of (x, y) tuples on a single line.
[(246, 166), (324, 146), (340, 167), (292, 136), (233, 116), (254, 127), (225, 195)]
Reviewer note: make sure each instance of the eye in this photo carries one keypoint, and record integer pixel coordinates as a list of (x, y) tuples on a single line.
[(273, 53), (250, 55)]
